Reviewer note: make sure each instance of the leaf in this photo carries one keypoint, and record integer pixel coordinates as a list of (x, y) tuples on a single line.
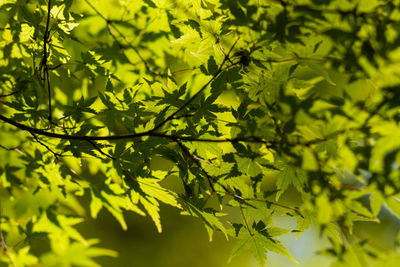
[(324, 209), (298, 97), (153, 210), (332, 231), (95, 205), (376, 202), (212, 66), (23, 258), (109, 86), (303, 223), (284, 179), (106, 101), (320, 70), (259, 243), (152, 188), (210, 219), (150, 3), (394, 205)]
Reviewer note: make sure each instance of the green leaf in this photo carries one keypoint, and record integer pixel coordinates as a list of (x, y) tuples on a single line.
[(284, 179), (150, 3), (212, 222), (394, 205), (259, 243), (303, 223), (95, 205), (212, 66), (376, 200)]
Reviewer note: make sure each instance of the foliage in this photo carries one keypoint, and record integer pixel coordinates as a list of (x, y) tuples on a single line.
[(241, 101)]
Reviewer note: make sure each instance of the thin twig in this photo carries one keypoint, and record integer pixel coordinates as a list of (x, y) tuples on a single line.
[(209, 195), (110, 26), (217, 73), (293, 59), (100, 150), (56, 155), (44, 65), (8, 148), (10, 94), (268, 202), (210, 179)]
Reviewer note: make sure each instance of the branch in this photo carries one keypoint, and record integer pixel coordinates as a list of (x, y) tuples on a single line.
[(266, 201), (100, 150), (210, 179), (8, 148), (110, 25), (250, 139), (217, 73), (128, 136), (45, 67), (238, 198), (10, 94), (56, 155), (294, 59)]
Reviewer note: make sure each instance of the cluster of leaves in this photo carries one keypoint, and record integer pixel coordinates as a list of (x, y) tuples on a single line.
[(241, 100)]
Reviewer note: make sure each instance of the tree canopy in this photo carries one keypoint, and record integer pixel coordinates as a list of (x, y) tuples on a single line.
[(233, 111)]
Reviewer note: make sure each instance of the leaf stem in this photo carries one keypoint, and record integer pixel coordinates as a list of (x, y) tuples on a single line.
[(245, 220)]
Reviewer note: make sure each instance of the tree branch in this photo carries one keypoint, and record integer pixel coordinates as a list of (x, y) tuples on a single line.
[(56, 155), (128, 136), (217, 73), (44, 64), (210, 179), (100, 150), (110, 25), (10, 94), (151, 133)]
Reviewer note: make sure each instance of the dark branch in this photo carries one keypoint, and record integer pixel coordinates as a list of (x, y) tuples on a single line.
[(100, 150), (10, 94), (56, 155), (251, 139), (8, 148), (267, 201), (128, 136), (186, 151), (46, 40)]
